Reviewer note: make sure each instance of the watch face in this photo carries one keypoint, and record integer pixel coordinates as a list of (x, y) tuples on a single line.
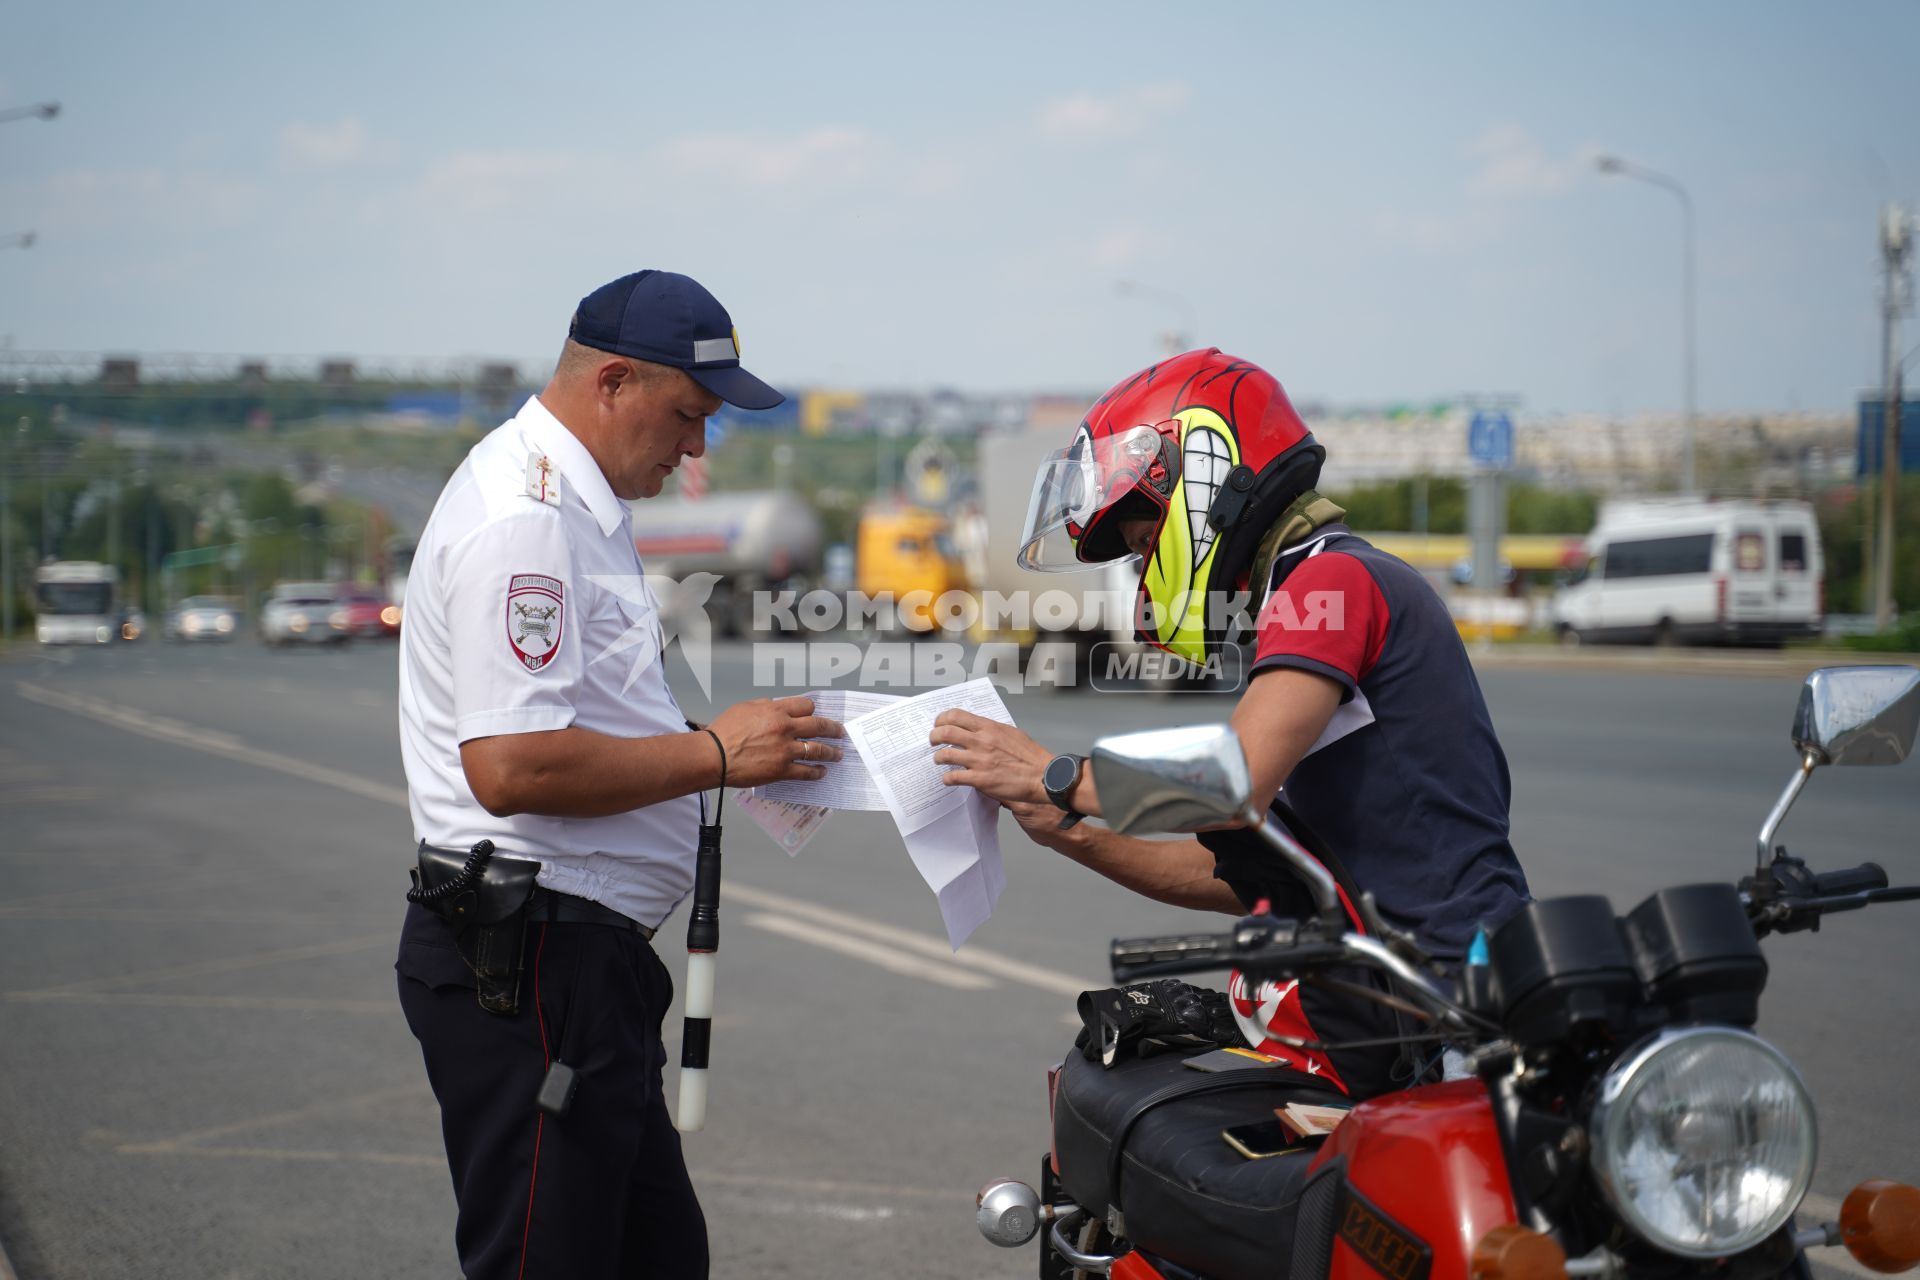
[(1062, 772)]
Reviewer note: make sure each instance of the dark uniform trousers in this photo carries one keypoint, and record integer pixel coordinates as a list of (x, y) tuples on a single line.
[(601, 1192)]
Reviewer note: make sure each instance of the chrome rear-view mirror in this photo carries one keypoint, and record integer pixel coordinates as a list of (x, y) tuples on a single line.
[(1848, 715), (1180, 779), (1858, 715)]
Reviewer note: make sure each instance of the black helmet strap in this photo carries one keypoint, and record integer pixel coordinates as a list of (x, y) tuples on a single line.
[(1244, 509)]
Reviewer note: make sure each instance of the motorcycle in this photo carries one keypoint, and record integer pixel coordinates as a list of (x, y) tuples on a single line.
[(1616, 1115)]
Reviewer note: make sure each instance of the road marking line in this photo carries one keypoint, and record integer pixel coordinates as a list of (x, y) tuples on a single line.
[(123, 889), (49, 794), (225, 745), (954, 1195), (163, 1146), (947, 975), (1818, 1208), (225, 964), (827, 1186), (1834, 1259), (294, 1154), (856, 1213), (210, 741), (925, 943), (159, 1000), (162, 915)]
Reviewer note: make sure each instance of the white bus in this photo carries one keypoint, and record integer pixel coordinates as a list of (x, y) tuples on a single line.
[(77, 602), (1700, 571)]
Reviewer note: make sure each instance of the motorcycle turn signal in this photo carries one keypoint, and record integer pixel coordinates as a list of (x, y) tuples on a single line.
[(1880, 1225), (1513, 1252)]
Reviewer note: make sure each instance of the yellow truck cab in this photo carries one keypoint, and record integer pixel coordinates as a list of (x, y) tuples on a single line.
[(907, 552)]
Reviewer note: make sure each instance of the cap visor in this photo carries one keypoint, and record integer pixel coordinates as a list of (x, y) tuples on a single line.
[(737, 387)]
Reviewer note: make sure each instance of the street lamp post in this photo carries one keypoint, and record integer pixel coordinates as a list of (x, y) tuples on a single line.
[(1627, 169), (6, 536), (1896, 247)]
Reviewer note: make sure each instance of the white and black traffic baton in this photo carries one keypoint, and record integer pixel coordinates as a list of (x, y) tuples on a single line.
[(703, 947)]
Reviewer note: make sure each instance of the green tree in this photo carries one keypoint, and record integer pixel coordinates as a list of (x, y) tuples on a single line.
[(1844, 525)]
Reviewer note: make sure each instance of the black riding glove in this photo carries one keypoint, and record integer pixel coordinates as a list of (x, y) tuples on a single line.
[(1144, 1018)]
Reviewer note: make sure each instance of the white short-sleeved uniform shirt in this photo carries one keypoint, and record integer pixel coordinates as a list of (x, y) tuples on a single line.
[(526, 611)]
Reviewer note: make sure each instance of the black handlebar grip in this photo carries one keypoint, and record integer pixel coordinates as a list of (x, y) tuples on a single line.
[(1868, 875), (1129, 952)]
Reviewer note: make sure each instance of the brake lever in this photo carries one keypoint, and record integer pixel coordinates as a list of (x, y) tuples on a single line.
[(1797, 914)]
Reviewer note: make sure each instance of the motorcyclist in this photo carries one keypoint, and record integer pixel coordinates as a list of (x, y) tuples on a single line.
[(1360, 697)]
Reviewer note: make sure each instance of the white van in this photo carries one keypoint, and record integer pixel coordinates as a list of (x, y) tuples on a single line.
[(1688, 570)]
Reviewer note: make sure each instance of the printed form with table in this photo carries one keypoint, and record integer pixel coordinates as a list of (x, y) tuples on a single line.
[(952, 834)]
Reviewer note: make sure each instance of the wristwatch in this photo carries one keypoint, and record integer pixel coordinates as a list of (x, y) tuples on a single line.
[(1062, 773)]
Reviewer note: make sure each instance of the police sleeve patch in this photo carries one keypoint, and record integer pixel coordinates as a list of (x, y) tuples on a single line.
[(536, 611)]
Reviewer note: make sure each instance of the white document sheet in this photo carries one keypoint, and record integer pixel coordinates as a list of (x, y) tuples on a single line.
[(951, 833), (847, 784)]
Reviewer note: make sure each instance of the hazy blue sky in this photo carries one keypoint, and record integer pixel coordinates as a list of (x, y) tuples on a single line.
[(1375, 200)]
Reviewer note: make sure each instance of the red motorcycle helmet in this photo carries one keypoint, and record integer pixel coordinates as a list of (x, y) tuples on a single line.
[(1205, 445)]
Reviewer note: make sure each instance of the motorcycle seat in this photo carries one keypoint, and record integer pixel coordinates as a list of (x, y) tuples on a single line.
[(1184, 1193)]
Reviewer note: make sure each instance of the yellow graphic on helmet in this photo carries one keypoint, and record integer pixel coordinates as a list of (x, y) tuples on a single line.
[(1175, 582)]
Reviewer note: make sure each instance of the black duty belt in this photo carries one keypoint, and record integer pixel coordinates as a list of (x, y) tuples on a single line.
[(564, 908), (489, 900)]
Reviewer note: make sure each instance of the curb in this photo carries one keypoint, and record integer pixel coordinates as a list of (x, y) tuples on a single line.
[(1791, 663)]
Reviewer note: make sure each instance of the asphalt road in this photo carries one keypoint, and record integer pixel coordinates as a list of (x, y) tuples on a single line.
[(204, 1072)]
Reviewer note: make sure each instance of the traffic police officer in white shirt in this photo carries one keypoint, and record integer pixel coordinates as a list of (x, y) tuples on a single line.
[(554, 786)]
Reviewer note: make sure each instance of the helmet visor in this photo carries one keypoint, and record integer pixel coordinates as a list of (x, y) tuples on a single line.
[(1078, 485)]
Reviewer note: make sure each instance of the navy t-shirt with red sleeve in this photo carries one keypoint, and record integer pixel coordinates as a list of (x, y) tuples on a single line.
[(1408, 785)]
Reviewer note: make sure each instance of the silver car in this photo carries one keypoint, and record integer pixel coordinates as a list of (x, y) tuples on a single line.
[(304, 613), (202, 618)]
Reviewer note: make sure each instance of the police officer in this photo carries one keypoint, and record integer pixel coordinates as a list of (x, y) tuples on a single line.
[(535, 714)]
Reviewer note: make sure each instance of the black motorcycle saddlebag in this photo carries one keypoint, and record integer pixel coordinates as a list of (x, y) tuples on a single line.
[(1184, 1193)]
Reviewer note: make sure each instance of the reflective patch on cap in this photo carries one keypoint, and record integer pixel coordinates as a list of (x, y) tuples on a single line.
[(705, 349)]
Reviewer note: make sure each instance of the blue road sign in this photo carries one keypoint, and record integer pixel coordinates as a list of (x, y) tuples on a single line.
[(1872, 435), (1490, 439)]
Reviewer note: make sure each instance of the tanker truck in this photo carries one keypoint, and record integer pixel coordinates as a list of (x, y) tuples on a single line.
[(763, 540)]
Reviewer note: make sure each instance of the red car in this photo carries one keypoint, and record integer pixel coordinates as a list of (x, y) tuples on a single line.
[(369, 613)]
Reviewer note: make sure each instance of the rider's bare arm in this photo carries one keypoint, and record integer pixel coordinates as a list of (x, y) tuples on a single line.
[(1178, 872), (1280, 716)]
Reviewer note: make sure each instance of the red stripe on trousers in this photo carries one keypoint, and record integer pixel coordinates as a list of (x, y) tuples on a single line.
[(540, 1124)]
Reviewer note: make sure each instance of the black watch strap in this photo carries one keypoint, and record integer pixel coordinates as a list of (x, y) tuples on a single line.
[(1058, 781)]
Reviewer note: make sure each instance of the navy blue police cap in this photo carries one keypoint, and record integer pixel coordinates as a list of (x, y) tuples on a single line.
[(670, 319)]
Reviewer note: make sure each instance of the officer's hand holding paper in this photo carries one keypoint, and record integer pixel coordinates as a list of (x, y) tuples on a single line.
[(792, 812), (847, 784), (951, 833)]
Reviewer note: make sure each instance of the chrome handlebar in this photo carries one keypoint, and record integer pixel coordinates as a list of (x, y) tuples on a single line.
[(1266, 946)]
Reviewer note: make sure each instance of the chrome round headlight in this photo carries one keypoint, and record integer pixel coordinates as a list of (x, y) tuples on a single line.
[(1704, 1140)]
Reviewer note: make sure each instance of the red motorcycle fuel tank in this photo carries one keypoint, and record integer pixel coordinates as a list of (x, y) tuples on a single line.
[(1426, 1177)]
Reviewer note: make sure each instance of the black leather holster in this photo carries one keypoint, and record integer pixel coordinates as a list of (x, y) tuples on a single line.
[(483, 895)]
